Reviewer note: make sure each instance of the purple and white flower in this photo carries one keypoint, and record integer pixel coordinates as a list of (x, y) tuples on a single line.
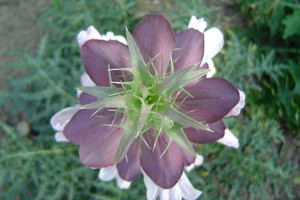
[(144, 106)]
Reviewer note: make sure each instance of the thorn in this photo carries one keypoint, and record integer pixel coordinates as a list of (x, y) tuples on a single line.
[(95, 112), (109, 76), (146, 143), (168, 145)]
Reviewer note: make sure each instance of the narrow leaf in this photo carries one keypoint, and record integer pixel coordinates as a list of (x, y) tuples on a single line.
[(109, 102), (133, 127), (180, 78), (183, 119), (101, 92), (139, 67), (176, 134)]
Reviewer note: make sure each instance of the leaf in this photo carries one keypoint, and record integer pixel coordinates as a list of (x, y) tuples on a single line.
[(180, 78), (101, 92), (139, 67), (183, 119), (176, 134), (110, 102), (292, 24), (134, 125)]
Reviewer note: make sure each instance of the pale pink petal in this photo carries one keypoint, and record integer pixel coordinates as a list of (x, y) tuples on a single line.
[(152, 188), (107, 173), (198, 24), (188, 192), (236, 110), (171, 194), (229, 139), (213, 43), (86, 81), (212, 69), (90, 34), (61, 118), (60, 137), (122, 184), (198, 162), (112, 36)]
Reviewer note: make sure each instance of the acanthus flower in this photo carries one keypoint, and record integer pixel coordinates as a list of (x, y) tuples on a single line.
[(144, 106)]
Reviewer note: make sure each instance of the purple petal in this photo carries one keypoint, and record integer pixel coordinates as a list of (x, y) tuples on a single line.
[(155, 38), (98, 140), (85, 98), (99, 55), (83, 122), (165, 170), (189, 48), (129, 168), (189, 159), (205, 137), (212, 99)]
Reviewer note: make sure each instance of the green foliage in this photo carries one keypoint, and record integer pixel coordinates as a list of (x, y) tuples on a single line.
[(274, 27), (292, 25)]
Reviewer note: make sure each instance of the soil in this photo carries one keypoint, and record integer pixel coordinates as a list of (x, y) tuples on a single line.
[(19, 31)]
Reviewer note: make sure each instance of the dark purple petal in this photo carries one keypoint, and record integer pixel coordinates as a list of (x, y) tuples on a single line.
[(212, 99), (165, 170), (99, 55), (155, 38), (189, 159), (189, 48), (204, 66), (97, 139), (85, 98), (205, 137), (129, 168)]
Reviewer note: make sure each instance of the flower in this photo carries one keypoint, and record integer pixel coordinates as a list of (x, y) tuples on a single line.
[(142, 107)]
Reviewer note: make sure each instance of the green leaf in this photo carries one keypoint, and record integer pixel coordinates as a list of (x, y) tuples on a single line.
[(183, 119), (139, 67), (101, 92), (180, 78), (176, 134), (134, 125), (292, 24), (109, 102)]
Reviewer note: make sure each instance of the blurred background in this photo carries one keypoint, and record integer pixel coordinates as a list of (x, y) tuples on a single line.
[(40, 69)]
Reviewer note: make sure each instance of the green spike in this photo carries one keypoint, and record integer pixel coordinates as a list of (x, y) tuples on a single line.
[(101, 92), (183, 119), (139, 67), (109, 102), (176, 134), (180, 78)]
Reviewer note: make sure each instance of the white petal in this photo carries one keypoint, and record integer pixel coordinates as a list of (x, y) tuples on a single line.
[(90, 34), (188, 192), (107, 173), (122, 184), (229, 139), (112, 36), (236, 110), (61, 118), (198, 24), (213, 43), (198, 161), (152, 188), (171, 194), (86, 81), (60, 137), (212, 69)]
